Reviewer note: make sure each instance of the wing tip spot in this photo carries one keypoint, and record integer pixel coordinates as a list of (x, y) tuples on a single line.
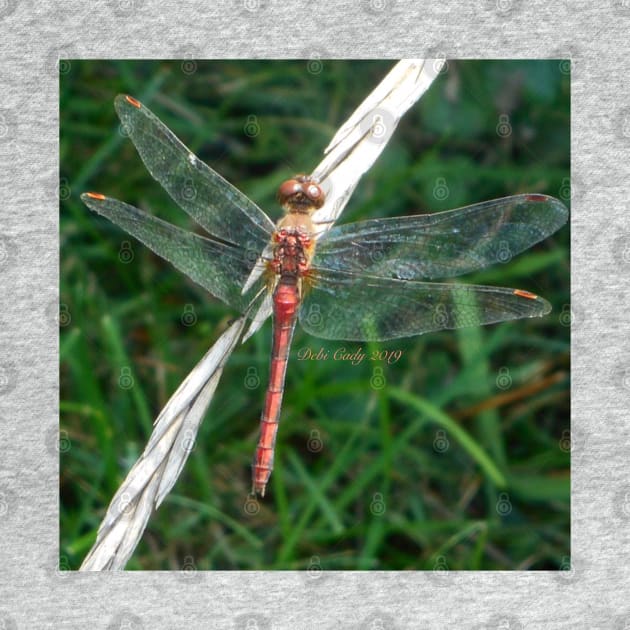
[(132, 101), (525, 294), (536, 197), (94, 195)]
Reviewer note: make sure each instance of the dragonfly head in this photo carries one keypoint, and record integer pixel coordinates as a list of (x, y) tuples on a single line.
[(301, 194)]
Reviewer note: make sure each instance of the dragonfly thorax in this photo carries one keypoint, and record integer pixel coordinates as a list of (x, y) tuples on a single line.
[(292, 252)]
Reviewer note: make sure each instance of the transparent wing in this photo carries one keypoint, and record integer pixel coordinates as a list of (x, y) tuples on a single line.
[(356, 308), (441, 245), (220, 268), (210, 200)]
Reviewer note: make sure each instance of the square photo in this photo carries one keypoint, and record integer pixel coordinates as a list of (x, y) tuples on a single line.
[(315, 315)]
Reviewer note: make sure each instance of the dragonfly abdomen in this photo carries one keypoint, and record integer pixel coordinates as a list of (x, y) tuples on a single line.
[(285, 306)]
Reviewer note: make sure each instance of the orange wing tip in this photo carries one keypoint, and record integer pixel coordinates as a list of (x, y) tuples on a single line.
[(525, 294), (536, 197), (97, 196), (132, 101)]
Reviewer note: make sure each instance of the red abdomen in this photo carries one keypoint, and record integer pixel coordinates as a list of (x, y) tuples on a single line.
[(285, 304)]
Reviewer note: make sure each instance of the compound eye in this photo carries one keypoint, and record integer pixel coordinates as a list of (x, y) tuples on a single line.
[(314, 192), (288, 188)]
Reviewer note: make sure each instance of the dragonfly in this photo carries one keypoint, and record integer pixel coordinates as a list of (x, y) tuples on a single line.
[(372, 280)]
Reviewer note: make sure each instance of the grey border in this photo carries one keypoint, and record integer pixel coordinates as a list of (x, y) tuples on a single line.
[(34, 593)]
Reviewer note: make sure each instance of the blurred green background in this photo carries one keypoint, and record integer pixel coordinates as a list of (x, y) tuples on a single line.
[(461, 461)]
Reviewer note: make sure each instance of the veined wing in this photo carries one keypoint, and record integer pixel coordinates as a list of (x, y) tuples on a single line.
[(210, 200), (221, 268), (444, 244), (355, 308)]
